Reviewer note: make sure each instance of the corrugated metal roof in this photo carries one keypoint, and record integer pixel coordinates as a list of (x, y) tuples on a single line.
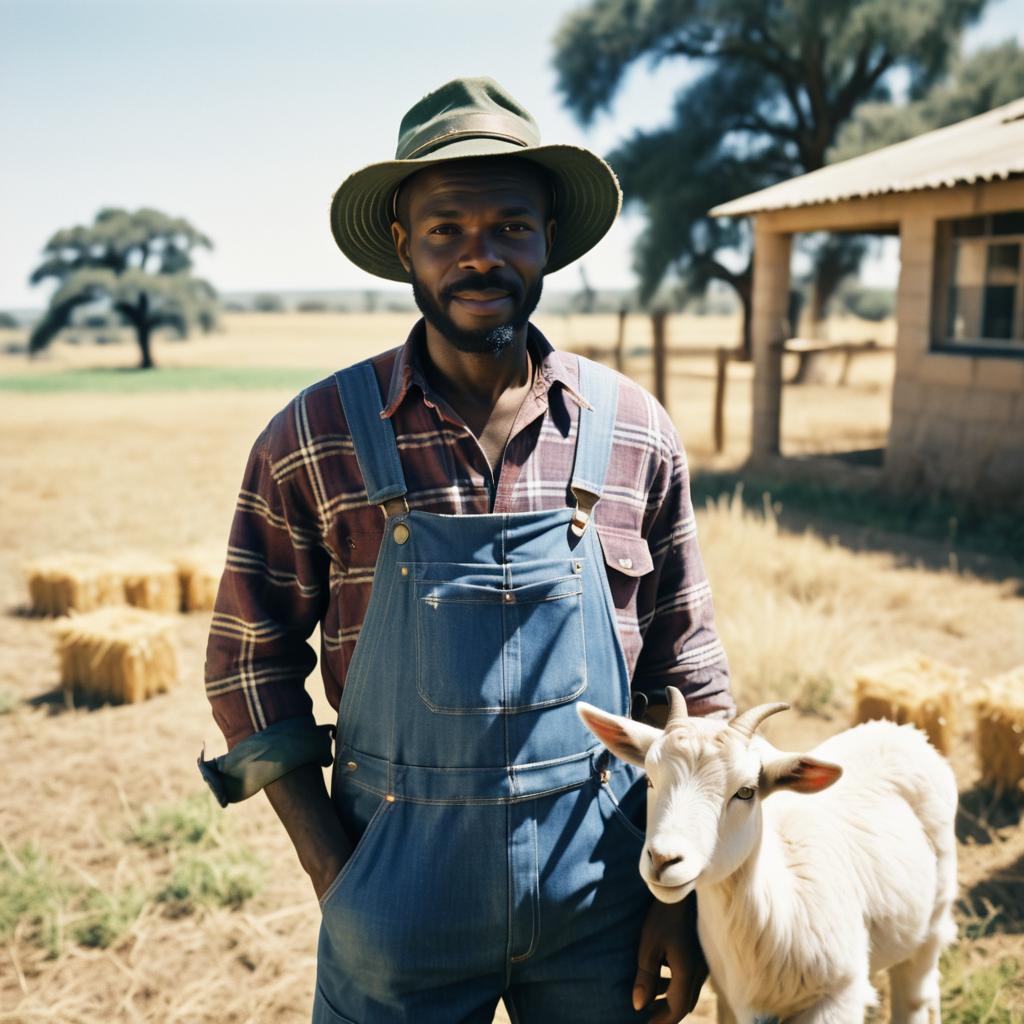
[(982, 148)]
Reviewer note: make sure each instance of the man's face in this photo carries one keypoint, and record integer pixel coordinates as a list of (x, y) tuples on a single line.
[(474, 236)]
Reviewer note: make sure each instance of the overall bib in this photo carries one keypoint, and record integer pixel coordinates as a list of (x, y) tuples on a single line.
[(495, 852)]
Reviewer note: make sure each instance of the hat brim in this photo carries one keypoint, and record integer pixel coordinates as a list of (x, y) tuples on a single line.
[(588, 201)]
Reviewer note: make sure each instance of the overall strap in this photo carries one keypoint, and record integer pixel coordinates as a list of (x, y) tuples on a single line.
[(599, 385), (372, 435)]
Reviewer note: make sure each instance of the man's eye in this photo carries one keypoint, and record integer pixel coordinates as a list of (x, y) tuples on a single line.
[(443, 229), (745, 793), (516, 228)]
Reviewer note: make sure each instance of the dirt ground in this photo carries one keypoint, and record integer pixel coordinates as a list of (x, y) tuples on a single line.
[(158, 472)]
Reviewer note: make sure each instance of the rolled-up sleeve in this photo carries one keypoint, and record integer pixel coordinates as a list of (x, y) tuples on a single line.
[(681, 646), (271, 597)]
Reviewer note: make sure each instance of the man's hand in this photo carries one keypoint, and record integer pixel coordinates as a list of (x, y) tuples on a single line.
[(669, 936), (307, 812)]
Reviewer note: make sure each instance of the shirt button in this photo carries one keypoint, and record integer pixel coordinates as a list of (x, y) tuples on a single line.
[(626, 563), (400, 533), (509, 598)]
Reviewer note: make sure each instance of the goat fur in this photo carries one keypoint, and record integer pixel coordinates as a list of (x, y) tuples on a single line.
[(834, 886)]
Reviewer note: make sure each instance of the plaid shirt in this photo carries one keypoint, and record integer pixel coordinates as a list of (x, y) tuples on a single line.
[(304, 540)]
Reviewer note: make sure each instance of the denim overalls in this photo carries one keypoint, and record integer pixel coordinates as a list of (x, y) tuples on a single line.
[(493, 857)]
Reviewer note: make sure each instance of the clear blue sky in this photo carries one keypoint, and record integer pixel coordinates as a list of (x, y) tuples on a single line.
[(244, 115)]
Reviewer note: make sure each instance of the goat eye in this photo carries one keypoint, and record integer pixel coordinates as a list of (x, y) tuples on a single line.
[(745, 793)]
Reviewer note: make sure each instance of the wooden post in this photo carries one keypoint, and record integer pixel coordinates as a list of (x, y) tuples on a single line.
[(658, 327), (770, 307), (620, 342), (721, 367)]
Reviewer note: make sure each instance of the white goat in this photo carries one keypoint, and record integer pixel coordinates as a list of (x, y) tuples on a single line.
[(801, 899)]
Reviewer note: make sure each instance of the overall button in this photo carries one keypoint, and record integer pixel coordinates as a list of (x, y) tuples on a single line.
[(400, 533)]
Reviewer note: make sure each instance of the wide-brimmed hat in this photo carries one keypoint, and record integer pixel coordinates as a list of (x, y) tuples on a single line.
[(467, 118)]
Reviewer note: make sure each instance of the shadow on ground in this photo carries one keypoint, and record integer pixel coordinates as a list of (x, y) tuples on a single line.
[(982, 811), (998, 901), (915, 531)]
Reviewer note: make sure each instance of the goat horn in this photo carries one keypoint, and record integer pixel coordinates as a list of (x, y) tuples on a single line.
[(746, 723), (677, 713)]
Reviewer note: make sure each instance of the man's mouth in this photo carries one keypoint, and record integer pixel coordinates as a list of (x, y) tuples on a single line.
[(482, 302)]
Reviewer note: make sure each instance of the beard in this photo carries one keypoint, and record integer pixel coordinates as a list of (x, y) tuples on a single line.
[(486, 340)]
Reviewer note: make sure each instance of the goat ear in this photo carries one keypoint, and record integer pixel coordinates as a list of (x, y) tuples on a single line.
[(799, 773), (625, 738)]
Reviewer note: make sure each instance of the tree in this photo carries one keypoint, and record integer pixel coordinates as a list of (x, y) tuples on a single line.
[(139, 263), (778, 80), (987, 79)]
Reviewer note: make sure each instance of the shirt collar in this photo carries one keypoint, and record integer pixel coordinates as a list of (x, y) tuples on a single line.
[(553, 367)]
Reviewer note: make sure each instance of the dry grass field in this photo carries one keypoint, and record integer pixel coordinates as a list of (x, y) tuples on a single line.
[(126, 896)]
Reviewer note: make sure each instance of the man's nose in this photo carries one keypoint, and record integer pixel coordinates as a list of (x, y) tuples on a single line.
[(479, 253)]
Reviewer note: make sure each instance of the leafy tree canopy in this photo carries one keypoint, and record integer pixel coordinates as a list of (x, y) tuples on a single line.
[(139, 262), (779, 80), (978, 83)]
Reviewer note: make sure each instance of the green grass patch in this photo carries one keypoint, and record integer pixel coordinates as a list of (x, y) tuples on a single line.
[(44, 908), (986, 993), (217, 878), (106, 917), (166, 379), (33, 899), (957, 524), (189, 822)]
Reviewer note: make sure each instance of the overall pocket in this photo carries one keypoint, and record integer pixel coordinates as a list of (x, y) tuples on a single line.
[(485, 648)]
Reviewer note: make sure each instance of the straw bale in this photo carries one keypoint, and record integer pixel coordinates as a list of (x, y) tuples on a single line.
[(118, 654), (911, 690), (199, 574), (64, 583), (149, 583), (999, 730)]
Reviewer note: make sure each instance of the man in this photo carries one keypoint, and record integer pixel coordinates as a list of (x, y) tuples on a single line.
[(536, 545)]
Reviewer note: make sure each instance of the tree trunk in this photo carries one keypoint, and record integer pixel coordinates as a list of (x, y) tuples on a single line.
[(746, 300), (143, 327), (142, 337)]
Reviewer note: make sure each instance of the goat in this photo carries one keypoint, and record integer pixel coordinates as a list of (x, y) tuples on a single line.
[(800, 899)]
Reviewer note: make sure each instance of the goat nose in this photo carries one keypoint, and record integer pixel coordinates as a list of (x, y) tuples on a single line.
[(661, 861)]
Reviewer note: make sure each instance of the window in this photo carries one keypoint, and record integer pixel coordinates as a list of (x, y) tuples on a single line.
[(981, 265)]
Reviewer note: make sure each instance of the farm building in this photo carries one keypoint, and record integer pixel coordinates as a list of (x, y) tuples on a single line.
[(955, 196)]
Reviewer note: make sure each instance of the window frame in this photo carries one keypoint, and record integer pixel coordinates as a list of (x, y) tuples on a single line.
[(945, 242)]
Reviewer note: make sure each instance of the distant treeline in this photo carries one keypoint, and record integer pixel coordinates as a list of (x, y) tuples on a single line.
[(853, 299)]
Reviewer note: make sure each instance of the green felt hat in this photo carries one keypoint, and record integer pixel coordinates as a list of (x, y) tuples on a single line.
[(466, 118)]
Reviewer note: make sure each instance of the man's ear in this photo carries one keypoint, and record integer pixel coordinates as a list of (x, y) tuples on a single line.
[(625, 738), (401, 240), (549, 236), (799, 773)]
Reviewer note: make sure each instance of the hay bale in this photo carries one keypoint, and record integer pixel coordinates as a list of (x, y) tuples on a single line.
[(149, 583), (82, 583), (121, 655), (999, 730), (64, 583), (911, 690), (199, 574)]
